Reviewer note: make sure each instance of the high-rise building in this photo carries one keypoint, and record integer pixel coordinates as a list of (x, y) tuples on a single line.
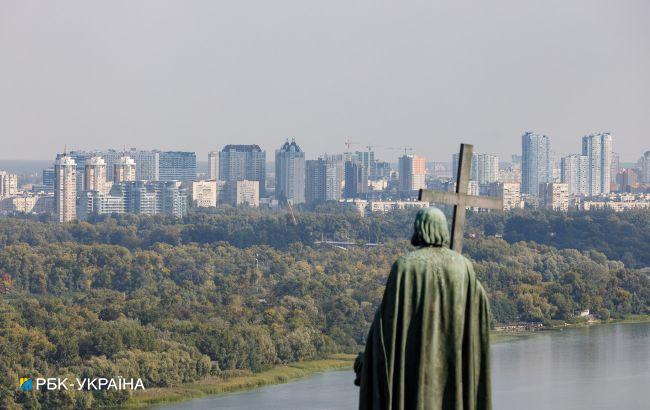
[(213, 165), (139, 197), (367, 159), (615, 166), (324, 179), (177, 166), (555, 196), (574, 172), (487, 168), (204, 193), (412, 173), (153, 197), (243, 162), (510, 192), (382, 170), (627, 180), (484, 168), (172, 197), (356, 179), (290, 173), (455, 160), (65, 188), (598, 148), (147, 163), (27, 203), (95, 175), (124, 170), (645, 167), (80, 158), (243, 193), (535, 162), (8, 184), (97, 203), (48, 180)]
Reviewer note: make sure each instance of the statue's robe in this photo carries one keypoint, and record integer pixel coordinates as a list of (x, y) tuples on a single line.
[(428, 347)]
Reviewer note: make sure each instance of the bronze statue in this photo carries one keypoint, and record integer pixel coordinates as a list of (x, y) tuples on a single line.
[(428, 347)]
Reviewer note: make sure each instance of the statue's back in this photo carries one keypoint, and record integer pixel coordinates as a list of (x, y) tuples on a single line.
[(428, 347)]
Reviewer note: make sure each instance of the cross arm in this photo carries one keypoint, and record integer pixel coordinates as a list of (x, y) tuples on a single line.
[(453, 198)]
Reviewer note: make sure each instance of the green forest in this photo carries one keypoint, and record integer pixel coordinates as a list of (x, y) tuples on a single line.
[(172, 301)]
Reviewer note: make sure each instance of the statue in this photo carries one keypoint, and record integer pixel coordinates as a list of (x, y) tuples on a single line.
[(428, 346)]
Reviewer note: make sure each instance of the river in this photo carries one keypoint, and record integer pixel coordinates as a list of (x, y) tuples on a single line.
[(598, 367)]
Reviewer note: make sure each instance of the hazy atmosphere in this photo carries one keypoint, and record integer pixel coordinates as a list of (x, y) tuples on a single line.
[(197, 75)]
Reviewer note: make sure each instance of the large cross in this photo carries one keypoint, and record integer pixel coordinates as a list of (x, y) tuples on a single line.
[(460, 199)]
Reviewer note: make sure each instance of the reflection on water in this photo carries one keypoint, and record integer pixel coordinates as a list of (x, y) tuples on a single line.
[(599, 367)]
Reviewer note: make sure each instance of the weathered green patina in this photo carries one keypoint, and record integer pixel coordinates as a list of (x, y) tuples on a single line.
[(428, 347)]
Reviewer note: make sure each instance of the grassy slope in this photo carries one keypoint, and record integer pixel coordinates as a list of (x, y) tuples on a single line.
[(217, 385), (289, 372)]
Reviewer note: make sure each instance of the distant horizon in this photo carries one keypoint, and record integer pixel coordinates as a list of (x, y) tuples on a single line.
[(198, 75), (380, 154)]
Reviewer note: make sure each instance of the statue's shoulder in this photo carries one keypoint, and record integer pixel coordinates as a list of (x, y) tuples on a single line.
[(427, 255)]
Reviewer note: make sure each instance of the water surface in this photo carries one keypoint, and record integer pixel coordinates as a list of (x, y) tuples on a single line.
[(599, 367)]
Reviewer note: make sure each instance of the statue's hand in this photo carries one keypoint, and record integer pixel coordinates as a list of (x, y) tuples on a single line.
[(358, 365)]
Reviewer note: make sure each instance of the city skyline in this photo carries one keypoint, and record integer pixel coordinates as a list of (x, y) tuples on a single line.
[(196, 77), (381, 153)]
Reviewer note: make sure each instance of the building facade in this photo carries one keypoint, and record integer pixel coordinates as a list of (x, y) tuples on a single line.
[(645, 167), (153, 197), (535, 162), (48, 178), (412, 173), (177, 166), (95, 175), (244, 192), (204, 193), (598, 149), (484, 168), (324, 179), (124, 170), (627, 180), (147, 163), (555, 196), (8, 184), (290, 173), (574, 172), (356, 179), (510, 192), (243, 162), (93, 203), (213, 165), (65, 188)]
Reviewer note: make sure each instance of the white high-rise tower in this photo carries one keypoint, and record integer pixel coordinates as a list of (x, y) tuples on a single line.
[(124, 170), (535, 162), (598, 148), (95, 178), (65, 188), (213, 165)]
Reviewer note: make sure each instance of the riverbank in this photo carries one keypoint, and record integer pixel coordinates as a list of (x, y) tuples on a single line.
[(249, 380), (218, 385), (293, 371), (507, 336)]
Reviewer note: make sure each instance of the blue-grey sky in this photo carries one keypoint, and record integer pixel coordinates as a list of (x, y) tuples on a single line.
[(195, 75)]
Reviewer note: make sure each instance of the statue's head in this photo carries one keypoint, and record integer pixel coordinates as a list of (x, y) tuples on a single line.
[(430, 228)]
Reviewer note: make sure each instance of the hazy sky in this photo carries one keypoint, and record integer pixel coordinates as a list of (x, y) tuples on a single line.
[(195, 75)]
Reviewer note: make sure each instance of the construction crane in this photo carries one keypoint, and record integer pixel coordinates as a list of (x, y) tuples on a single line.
[(406, 149), (293, 215), (348, 143)]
